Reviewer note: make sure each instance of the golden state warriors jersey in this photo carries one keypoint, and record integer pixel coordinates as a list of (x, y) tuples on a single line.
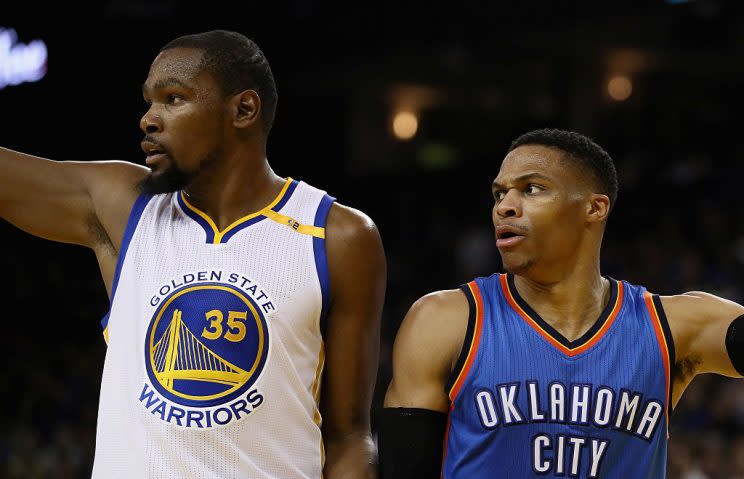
[(215, 350)]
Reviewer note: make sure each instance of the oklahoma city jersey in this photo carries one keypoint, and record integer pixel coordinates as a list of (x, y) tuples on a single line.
[(526, 402), (214, 342)]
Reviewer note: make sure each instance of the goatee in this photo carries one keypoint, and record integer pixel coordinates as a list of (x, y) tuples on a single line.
[(169, 180)]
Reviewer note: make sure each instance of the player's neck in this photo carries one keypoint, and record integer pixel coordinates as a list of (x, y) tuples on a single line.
[(233, 189), (571, 304)]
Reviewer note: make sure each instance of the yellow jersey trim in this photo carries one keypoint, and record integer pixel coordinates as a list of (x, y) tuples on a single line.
[(316, 231), (218, 235)]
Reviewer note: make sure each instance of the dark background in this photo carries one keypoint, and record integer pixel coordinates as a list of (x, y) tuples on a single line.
[(478, 75)]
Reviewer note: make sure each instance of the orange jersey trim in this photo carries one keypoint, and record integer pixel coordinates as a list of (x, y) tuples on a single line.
[(474, 343), (565, 350), (661, 339)]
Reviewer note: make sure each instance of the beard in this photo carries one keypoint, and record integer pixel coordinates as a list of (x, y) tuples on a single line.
[(171, 179), (174, 178)]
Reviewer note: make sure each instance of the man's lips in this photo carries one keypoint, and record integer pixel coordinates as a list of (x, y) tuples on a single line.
[(154, 150), (509, 242), (508, 236)]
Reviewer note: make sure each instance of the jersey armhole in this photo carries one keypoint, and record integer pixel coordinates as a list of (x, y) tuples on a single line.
[(669, 340), (134, 216), (321, 259), (458, 373)]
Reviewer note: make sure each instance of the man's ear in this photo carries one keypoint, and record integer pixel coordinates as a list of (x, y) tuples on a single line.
[(246, 108), (598, 208)]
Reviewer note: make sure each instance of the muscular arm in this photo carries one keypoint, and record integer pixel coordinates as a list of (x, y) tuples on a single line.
[(358, 274), (85, 203), (412, 425), (426, 348), (699, 322)]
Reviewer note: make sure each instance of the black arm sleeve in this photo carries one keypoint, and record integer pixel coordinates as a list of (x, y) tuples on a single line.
[(735, 343), (410, 443)]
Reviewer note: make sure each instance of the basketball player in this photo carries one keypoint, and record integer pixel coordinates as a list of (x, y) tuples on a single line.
[(551, 369), (233, 290)]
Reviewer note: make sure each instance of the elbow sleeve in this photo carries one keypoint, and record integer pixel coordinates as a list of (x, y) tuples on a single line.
[(410, 443)]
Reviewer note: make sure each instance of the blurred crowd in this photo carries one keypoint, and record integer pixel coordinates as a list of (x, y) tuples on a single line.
[(676, 228)]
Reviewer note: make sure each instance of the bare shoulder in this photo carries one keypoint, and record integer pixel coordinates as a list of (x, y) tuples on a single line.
[(426, 348), (434, 329), (442, 312), (695, 307), (357, 267), (350, 230), (356, 258), (698, 322), (346, 224)]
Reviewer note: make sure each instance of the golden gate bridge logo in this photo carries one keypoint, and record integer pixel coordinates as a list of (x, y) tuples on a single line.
[(206, 345), (180, 355)]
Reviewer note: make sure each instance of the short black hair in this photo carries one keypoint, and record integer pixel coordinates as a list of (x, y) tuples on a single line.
[(590, 156), (237, 63)]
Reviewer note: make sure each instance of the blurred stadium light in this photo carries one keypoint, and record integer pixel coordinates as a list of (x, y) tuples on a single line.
[(620, 88), (405, 125)]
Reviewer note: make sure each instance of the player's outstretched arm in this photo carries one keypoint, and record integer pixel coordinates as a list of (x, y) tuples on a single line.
[(358, 273), (427, 346), (708, 334), (85, 203)]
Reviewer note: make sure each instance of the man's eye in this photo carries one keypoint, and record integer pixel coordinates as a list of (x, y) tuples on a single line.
[(173, 98), (499, 195), (532, 189)]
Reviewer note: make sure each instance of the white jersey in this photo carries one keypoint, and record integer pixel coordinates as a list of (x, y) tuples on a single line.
[(215, 350)]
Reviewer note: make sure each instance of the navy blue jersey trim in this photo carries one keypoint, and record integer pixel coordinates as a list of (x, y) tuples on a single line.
[(132, 222), (576, 343), (226, 237), (321, 258), (290, 189), (469, 332), (670, 345), (208, 230)]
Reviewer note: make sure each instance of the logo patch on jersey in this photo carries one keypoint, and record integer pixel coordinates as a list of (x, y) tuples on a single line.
[(205, 347)]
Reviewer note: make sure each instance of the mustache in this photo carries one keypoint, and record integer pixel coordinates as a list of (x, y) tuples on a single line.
[(521, 228)]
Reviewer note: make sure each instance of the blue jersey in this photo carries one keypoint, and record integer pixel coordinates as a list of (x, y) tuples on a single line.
[(527, 402)]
